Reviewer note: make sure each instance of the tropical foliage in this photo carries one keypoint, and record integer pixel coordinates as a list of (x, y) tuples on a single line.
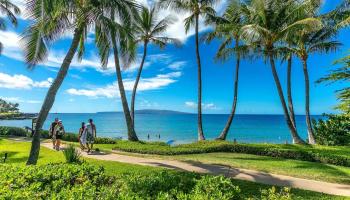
[(149, 30), (335, 130), (6, 107), (69, 181), (10, 10)]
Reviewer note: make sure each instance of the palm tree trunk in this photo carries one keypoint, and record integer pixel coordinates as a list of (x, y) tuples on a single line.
[(294, 133), (225, 131), (289, 91), (200, 124), (131, 131), (137, 82), (50, 97), (310, 132)]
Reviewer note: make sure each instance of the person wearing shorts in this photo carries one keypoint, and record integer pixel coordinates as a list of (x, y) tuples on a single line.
[(90, 134), (59, 133), (51, 132)]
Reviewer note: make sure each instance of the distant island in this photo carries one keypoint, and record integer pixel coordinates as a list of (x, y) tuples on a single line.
[(154, 111)]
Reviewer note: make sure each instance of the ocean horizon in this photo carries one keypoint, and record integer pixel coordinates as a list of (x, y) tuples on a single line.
[(181, 127)]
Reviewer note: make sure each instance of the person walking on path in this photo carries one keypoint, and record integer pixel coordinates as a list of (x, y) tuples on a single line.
[(81, 135), (59, 133), (51, 132), (90, 134)]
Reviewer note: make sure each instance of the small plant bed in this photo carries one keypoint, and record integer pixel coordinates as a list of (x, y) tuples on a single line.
[(322, 154)]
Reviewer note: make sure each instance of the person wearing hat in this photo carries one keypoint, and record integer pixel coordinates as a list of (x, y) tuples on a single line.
[(59, 133), (51, 132)]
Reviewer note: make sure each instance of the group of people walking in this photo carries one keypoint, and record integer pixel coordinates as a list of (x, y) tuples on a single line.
[(86, 135)]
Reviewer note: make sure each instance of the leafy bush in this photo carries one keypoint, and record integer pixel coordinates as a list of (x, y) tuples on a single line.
[(296, 152), (272, 194), (13, 131), (71, 154), (70, 181), (334, 131)]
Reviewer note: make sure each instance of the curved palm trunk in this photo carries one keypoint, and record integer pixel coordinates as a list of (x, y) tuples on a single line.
[(137, 82), (200, 124), (310, 132), (131, 131), (50, 97), (225, 131), (289, 92), (294, 133)]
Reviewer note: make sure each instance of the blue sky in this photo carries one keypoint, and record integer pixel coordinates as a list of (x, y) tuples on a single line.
[(169, 80)]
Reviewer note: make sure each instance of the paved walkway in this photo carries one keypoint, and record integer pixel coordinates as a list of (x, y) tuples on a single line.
[(241, 174)]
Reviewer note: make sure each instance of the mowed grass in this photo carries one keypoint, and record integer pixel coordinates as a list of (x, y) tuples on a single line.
[(295, 168), (18, 154)]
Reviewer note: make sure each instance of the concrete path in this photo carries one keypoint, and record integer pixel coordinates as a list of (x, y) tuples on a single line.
[(241, 174)]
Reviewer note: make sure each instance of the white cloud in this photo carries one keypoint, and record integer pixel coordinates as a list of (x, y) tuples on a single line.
[(19, 100), (145, 84), (178, 65), (19, 81), (205, 106)]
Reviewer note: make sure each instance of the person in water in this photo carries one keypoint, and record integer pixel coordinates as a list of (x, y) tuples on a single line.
[(81, 136), (90, 134), (59, 133), (51, 132)]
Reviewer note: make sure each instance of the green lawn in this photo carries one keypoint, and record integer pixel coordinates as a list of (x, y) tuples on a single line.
[(19, 153), (296, 168)]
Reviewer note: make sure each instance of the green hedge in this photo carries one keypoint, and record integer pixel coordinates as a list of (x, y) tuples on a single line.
[(68, 181), (13, 131), (297, 152), (69, 137)]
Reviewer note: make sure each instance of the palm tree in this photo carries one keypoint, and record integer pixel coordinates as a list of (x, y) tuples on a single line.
[(341, 74), (149, 29), (228, 30), (10, 10), (116, 34), (196, 8), (50, 20), (269, 23), (306, 45)]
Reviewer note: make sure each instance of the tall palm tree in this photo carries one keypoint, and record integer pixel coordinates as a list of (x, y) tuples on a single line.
[(50, 20), (307, 44), (149, 29), (10, 10), (227, 28), (114, 32), (196, 8), (269, 23)]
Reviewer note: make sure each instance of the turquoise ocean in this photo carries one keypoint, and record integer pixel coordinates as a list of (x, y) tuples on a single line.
[(180, 127)]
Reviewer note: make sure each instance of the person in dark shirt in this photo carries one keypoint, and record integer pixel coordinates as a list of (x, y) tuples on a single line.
[(51, 132), (59, 133)]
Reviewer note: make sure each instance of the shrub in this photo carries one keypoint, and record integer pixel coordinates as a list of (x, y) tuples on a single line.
[(296, 152), (334, 131), (70, 181), (215, 188), (13, 131), (272, 194), (71, 154)]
